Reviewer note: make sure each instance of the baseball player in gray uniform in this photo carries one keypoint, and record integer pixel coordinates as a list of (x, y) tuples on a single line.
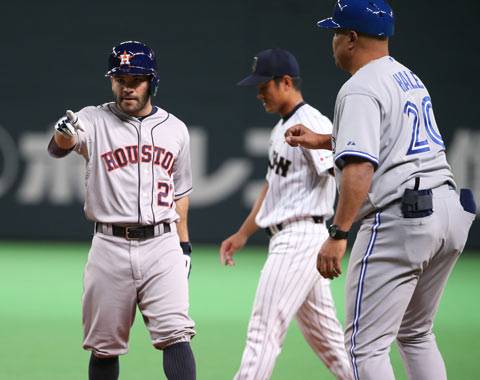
[(394, 178), (295, 200), (137, 183)]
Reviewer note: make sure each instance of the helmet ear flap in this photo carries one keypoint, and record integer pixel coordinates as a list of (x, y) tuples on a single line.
[(153, 85)]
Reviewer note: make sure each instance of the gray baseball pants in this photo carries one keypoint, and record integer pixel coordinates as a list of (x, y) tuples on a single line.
[(396, 275), (121, 275)]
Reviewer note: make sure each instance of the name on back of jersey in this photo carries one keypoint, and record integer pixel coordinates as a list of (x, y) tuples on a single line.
[(407, 81), (129, 155)]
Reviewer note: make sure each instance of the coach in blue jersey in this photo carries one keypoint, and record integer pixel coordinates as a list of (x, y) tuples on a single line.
[(393, 177)]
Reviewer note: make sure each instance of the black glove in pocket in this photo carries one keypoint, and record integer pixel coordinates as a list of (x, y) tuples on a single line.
[(417, 203)]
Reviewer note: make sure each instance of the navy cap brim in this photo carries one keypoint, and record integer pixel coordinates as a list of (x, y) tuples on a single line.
[(254, 80), (328, 23)]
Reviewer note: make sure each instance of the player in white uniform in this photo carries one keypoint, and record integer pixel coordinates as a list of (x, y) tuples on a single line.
[(137, 183), (293, 205), (393, 176)]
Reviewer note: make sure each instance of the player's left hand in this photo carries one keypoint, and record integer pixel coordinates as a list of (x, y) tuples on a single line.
[(329, 259)]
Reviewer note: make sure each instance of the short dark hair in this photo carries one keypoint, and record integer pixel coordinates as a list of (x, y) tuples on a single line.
[(296, 82)]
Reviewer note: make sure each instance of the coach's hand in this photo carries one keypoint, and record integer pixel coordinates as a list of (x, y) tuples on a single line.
[(299, 135), (229, 246), (329, 259)]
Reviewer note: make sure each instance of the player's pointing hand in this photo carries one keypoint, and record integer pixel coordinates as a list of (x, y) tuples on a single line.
[(68, 125), (73, 119), (299, 135), (229, 246)]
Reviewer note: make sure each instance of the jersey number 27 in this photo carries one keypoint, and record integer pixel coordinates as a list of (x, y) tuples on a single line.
[(163, 194), (417, 145)]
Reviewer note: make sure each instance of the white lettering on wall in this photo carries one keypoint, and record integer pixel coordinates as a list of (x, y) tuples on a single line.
[(9, 158), (58, 181), (61, 181), (211, 188)]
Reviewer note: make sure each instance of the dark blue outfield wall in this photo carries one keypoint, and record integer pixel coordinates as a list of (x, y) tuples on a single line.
[(54, 56)]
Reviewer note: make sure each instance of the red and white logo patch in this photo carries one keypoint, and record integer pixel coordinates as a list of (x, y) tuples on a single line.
[(125, 58)]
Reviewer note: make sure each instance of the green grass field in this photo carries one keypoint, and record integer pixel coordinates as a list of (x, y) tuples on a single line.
[(41, 333)]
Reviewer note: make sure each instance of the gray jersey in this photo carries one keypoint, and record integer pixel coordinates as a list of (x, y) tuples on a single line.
[(384, 114), (299, 184), (136, 168)]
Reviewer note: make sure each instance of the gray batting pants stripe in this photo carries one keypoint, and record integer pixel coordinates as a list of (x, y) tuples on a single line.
[(396, 275), (358, 298)]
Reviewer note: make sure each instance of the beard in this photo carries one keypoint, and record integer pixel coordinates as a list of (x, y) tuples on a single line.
[(132, 105)]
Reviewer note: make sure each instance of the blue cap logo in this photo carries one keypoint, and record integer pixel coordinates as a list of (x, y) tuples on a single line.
[(339, 4), (371, 17)]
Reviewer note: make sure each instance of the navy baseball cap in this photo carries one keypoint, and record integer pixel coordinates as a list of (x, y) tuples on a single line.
[(371, 17), (269, 64)]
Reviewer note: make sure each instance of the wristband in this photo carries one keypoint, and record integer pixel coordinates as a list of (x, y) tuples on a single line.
[(186, 247)]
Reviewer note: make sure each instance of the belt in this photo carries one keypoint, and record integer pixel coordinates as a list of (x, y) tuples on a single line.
[(273, 229), (133, 232)]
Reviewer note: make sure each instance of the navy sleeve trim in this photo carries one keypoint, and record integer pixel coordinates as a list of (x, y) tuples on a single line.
[(340, 158), (184, 193)]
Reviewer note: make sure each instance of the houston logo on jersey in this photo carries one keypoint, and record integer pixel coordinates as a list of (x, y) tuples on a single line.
[(279, 163), (126, 155)]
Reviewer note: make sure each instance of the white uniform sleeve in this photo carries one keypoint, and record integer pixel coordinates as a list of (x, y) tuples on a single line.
[(182, 171), (358, 129), (321, 159)]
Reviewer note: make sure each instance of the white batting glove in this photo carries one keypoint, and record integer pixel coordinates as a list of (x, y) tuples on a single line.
[(69, 124)]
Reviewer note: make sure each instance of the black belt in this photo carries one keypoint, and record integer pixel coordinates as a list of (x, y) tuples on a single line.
[(272, 230), (134, 232)]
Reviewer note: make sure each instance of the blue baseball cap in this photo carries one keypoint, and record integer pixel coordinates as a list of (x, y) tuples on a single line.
[(269, 64), (371, 17)]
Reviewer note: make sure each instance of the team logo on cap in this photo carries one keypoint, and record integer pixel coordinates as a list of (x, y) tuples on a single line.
[(254, 64), (376, 11), (341, 6), (125, 58)]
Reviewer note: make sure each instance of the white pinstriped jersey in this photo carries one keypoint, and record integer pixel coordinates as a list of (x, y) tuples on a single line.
[(384, 114), (299, 185), (135, 168)]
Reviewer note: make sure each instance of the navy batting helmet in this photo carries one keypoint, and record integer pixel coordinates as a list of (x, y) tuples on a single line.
[(371, 17), (134, 58)]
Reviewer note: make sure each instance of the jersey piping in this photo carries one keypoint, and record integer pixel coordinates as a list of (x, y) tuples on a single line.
[(153, 172)]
